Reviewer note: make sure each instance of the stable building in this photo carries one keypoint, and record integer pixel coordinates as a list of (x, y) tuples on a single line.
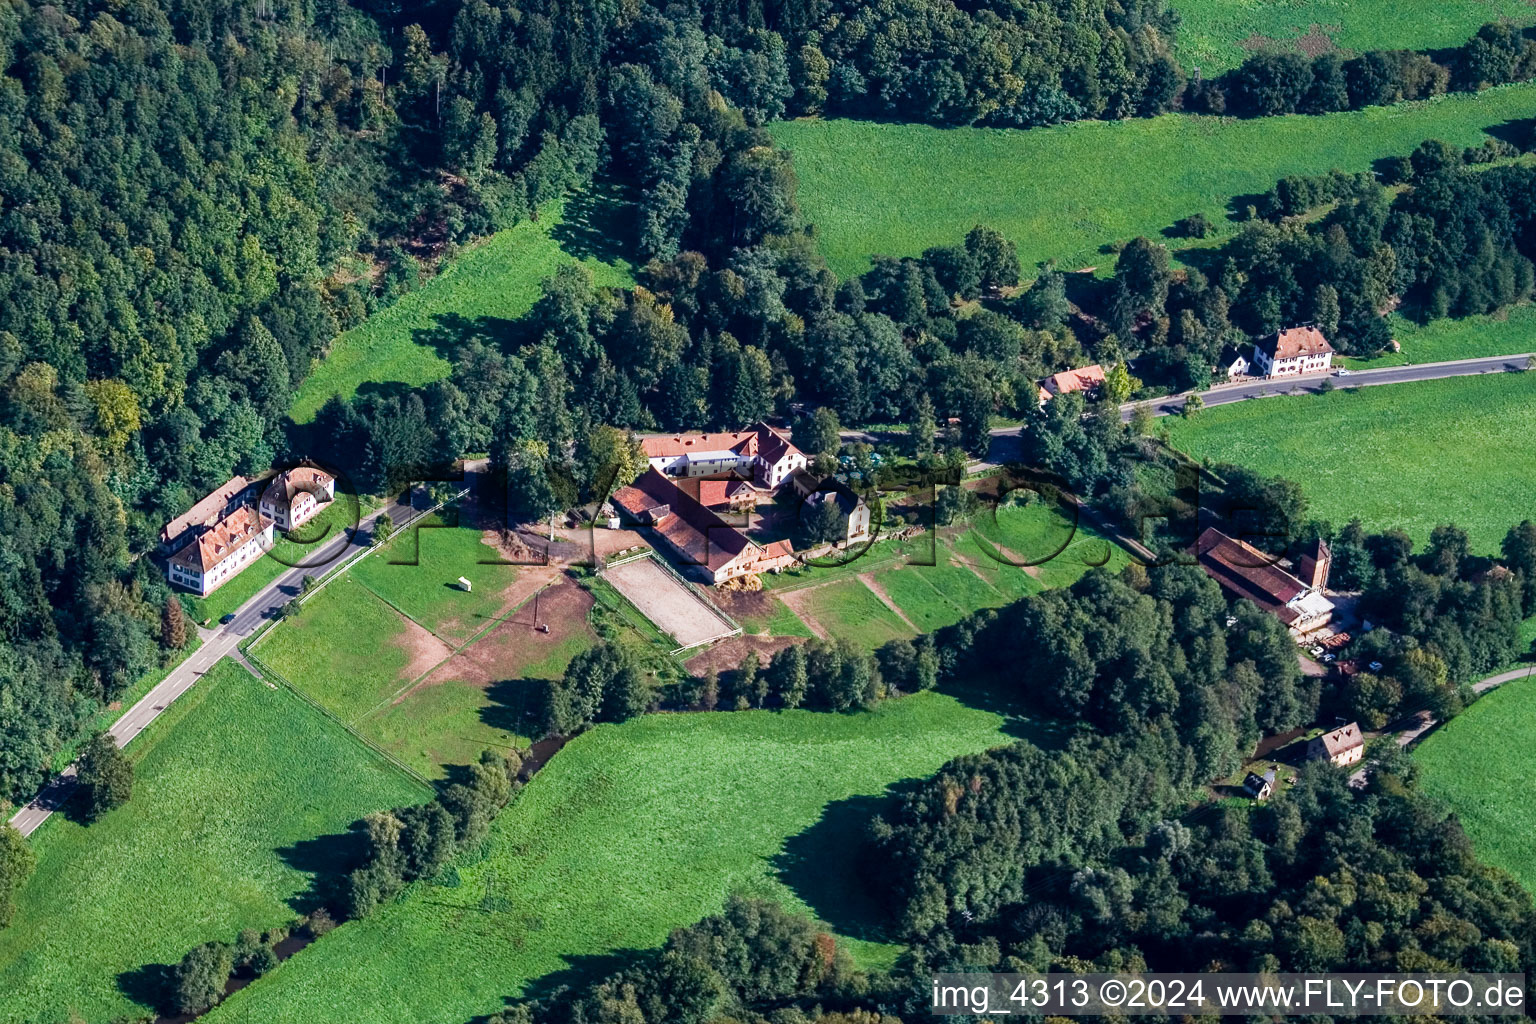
[(705, 545), (1246, 572), (297, 495), (1291, 352), (221, 551)]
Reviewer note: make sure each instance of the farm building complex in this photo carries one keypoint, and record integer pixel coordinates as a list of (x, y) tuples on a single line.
[(694, 480), (1245, 571)]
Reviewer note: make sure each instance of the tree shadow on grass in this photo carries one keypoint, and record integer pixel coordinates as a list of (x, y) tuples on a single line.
[(327, 860), (598, 223), (450, 332), (149, 985), (989, 691), (516, 706), (824, 866), (579, 972)]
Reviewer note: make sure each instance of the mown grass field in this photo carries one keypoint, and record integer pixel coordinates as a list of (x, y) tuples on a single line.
[(1214, 35), (1479, 764), (1041, 533), (232, 783), (419, 571), (934, 582), (1398, 455), (849, 610), (496, 280), (1508, 332), (630, 831), (347, 649), (1062, 192)]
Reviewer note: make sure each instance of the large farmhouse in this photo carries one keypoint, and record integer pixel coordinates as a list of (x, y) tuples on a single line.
[(760, 454), (1245, 571), (706, 545), (1341, 746), (1291, 352), (297, 495), (1087, 379), (215, 505), (220, 551)]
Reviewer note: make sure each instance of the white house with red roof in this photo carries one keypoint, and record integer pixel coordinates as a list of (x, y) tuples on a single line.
[(1293, 351), (297, 495), (218, 553), (760, 453)]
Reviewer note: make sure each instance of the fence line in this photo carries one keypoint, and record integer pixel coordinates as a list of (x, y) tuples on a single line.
[(268, 670), (332, 573)]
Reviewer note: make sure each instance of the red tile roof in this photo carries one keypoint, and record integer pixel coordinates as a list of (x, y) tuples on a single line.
[(758, 440), (698, 535), (291, 482), (206, 510), (1339, 740), (1085, 378), (222, 539), (714, 493), (1248, 572), (1296, 341)]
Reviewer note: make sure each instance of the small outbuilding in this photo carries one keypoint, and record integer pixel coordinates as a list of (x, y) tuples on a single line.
[(1260, 786), (465, 585)]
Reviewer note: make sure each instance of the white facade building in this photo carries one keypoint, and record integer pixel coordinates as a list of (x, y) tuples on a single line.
[(1292, 352)]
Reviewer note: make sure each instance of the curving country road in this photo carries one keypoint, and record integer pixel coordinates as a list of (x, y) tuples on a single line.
[(217, 643)]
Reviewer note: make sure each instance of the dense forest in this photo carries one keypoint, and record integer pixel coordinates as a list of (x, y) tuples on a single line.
[(199, 195)]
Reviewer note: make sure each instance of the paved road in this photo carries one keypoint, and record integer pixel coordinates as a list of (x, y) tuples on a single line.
[(1004, 447), (1311, 384), (217, 643), (1425, 721)]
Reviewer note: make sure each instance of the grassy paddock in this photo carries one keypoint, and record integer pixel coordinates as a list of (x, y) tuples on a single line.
[(1479, 764), (1215, 35), (631, 831), (494, 281), (347, 649), (419, 572), (1398, 455), (1508, 332), (232, 783), (1062, 192)]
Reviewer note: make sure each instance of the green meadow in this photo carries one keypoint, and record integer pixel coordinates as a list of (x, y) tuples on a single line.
[(1477, 763), (591, 859), (419, 574), (1064, 191), (1509, 332), (1214, 35), (493, 281), (232, 784), (1400, 455), (348, 650)]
